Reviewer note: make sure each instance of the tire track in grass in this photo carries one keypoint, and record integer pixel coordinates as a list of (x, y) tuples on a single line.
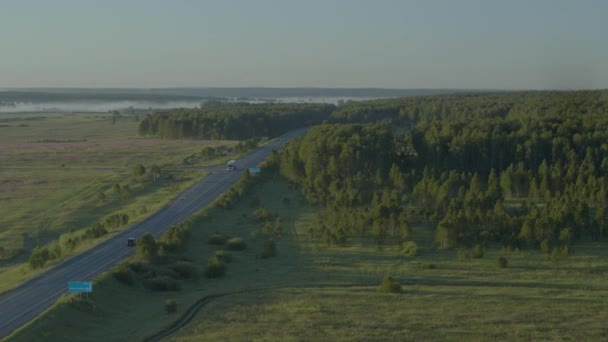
[(193, 310)]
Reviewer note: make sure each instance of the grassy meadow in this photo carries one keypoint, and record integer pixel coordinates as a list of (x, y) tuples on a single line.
[(57, 173), (309, 291)]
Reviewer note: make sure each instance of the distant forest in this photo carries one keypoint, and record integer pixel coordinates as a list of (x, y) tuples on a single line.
[(239, 121), (526, 169)]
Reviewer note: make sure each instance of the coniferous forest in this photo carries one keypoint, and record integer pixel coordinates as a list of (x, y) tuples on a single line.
[(523, 170), (233, 121)]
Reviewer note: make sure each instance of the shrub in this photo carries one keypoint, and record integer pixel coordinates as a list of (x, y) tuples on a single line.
[(269, 250), (83, 304), (545, 246), (69, 241), (215, 268), (261, 214), (147, 248), (477, 252), (101, 196), (39, 257), (185, 270), (116, 220), (167, 272), (463, 254), (96, 231), (223, 256), (427, 266), (55, 250), (236, 244), (389, 285), (124, 275), (177, 235), (145, 270), (162, 283), (170, 306), (409, 248), (139, 170), (503, 262), (217, 239)]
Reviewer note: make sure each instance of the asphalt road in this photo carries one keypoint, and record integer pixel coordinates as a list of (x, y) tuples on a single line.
[(24, 303)]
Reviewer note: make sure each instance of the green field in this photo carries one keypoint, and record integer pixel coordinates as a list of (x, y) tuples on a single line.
[(57, 177), (311, 292)]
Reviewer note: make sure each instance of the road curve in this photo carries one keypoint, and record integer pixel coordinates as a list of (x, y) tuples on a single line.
[(24, 303)]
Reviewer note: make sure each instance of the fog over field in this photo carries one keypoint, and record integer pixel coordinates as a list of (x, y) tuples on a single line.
[(97, 106), (104, 106)]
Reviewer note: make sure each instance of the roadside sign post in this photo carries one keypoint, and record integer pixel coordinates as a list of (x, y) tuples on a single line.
[(254, 170), (80, 287)]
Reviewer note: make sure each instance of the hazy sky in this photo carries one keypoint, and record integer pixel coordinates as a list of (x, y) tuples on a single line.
[(399, 44)]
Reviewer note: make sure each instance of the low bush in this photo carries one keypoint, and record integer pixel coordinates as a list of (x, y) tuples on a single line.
[(463, 254), (161, 283), (236, 244), (144, 270), (185, 270), (83, 304), (124, 275), (409, 248), (96, 231), (216, 268), (477, 252), (170, 306), (427, 266), (39, 257), (177, 236), (269, 249), (168, 272), (389, 285), (503, 262), (223, 256), (262, 214), (217, 239), (116, 220)]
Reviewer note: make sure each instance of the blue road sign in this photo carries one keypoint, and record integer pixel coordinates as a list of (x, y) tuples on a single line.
[(254, 170), (80, 286)]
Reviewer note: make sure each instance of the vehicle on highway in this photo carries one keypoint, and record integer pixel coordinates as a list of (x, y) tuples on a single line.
[(231, 165), (131, 242)]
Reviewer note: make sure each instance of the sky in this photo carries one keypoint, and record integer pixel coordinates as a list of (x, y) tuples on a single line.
[(472, 44)]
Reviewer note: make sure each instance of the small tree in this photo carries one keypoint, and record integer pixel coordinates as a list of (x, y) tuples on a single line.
[(236, 244), (409, 248), (147, 248), (39, 257), (101, 196), (215, 268), (503, 262), (477, 252), (269, 250), (139, 170), (389, 285), (170, 306), (216, 239), (155, 171)]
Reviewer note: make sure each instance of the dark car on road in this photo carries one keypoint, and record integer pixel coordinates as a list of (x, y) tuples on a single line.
[(131, 242)]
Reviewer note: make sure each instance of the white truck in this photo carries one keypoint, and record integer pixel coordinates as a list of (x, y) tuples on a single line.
[(231, 165)]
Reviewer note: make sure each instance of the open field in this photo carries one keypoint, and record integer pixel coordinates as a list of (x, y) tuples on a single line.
[(33, 127), (310, 292), (54, 183)]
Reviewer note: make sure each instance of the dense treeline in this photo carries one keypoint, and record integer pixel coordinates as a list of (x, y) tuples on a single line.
[(496, 175), (233, 121), (409, 111)]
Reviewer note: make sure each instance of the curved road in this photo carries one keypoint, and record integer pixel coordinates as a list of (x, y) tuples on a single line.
[(24, 303)]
